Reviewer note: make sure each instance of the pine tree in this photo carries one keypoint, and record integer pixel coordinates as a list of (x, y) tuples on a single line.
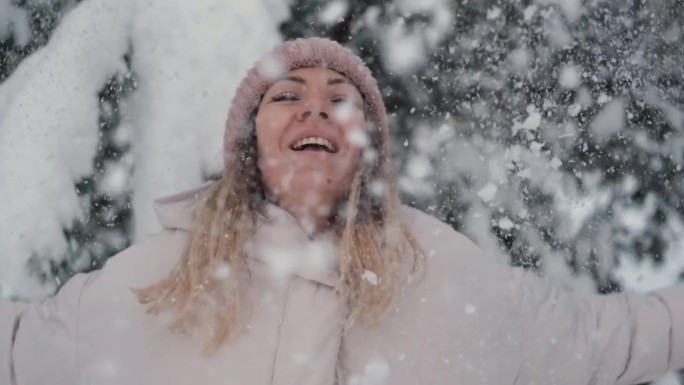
[(540, 126), (106, 194), (29, 30), (106, 227)]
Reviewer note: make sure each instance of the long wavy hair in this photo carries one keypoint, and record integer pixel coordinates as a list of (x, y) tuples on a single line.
[(370, 234)]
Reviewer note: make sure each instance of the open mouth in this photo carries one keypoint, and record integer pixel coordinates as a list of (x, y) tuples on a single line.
[(314, 144)]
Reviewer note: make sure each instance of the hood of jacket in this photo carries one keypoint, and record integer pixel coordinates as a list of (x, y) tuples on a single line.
[(277, 242)]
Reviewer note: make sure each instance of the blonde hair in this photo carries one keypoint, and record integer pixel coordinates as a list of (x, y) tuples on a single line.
[(371, 236)]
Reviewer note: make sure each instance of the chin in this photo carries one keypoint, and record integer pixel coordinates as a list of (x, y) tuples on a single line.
[(313, 185), (315, 179)]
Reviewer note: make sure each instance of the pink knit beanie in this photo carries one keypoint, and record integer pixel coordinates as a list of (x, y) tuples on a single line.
[(291, 55)]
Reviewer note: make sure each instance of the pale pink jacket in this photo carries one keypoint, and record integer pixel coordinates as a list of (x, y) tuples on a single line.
[(469, 320)]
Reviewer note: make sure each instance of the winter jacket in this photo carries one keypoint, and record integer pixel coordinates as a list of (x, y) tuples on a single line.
[(466, 320)]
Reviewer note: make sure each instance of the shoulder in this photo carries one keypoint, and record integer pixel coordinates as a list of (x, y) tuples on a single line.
[(142, 264), (454, 263), (440, 242), (107, 304), (459, 301)]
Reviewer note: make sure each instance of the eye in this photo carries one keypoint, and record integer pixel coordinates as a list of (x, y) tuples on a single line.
[(285, 96), (339, 99)]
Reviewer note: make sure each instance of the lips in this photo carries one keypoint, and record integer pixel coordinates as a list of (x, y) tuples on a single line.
[(314, 143)]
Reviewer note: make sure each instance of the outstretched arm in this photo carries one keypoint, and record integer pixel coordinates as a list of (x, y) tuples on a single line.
[(624, 338), (558, 336), (10, 314), (38, 340)]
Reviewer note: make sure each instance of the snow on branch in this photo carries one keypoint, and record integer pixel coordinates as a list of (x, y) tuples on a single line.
[(48, 135)]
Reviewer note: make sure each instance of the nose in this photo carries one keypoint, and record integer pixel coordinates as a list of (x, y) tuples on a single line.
[(308, 113), (314, 108)]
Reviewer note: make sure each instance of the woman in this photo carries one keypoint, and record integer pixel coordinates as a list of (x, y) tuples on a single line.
[(300, 266)]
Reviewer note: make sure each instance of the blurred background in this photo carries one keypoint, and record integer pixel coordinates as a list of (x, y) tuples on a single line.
[(551, 132)]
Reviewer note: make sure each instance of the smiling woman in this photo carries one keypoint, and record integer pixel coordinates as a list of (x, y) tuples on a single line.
[(300, 266), (303, 126)]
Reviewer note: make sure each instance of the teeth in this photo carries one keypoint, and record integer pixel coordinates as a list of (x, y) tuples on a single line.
[(313, 140)]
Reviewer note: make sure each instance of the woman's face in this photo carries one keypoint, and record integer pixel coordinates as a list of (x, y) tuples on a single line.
[(310, 129)]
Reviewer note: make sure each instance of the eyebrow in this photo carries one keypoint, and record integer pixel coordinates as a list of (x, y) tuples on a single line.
[(334, 81), (331, 81), (295, 79)]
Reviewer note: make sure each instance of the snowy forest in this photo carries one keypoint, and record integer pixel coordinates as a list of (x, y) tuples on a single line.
[(551, 132)]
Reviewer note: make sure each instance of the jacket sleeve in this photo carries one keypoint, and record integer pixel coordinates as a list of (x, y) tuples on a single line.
[(623, 338), (559, 336), (10, 312), (38, 339)]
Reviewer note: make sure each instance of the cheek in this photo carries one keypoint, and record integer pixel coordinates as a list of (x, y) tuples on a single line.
[(270, 159), (346, 168), (272, 120), (356, 136), (268, 133), (355, 132), (267, 148)]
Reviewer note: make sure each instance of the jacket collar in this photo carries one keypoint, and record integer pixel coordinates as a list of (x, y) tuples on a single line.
[(280, 243), (176, 211)]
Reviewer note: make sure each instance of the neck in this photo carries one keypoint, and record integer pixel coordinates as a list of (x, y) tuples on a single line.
[(313, 217)]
